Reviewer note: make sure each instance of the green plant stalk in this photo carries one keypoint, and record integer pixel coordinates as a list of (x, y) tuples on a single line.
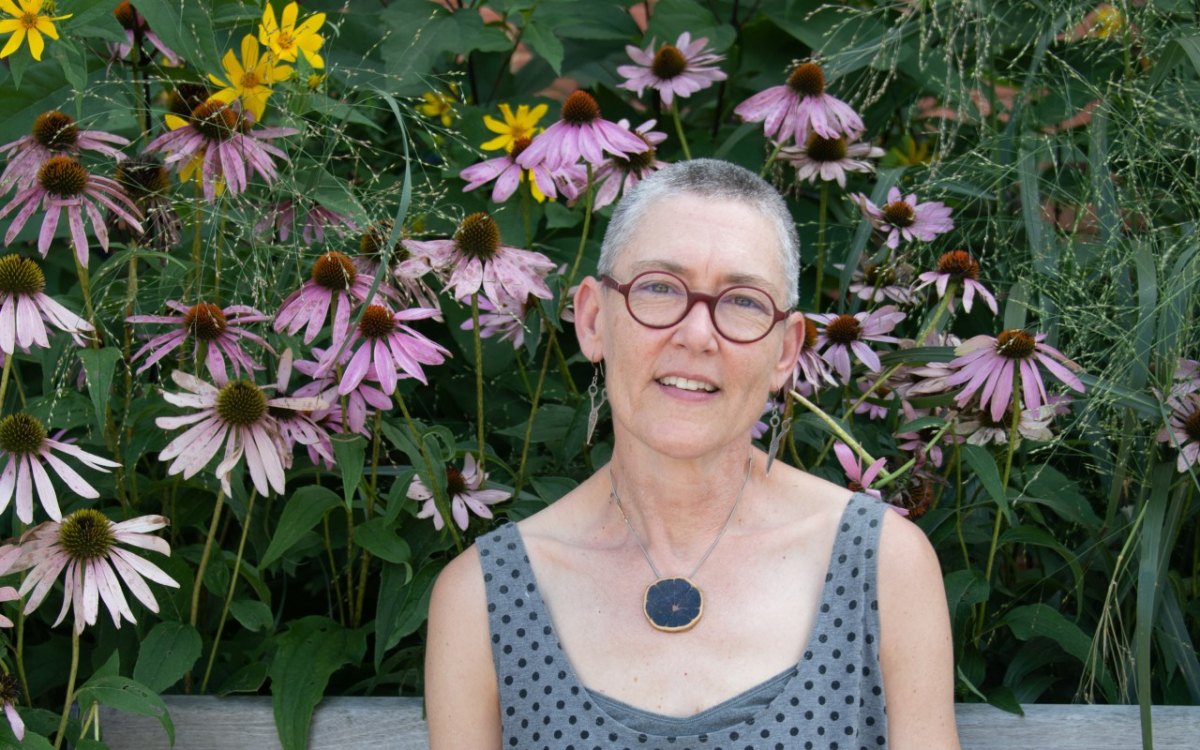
[(8, 360), (62, 724), (587, 225), (886, 479), (217, 253), (568, 381), (208, 543), (687, 154), (537, 392), (197, 251), (333, 571), (373, 485), (440, 502), (526, 193), (237, 569), (350, 598), (833, 426), (91, 721), (958, 504), (20, 655), (478, 377), (822, 211), (1012, 445), (770, 160)]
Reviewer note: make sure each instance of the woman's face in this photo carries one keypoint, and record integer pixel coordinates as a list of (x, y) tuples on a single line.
[(685, 390)]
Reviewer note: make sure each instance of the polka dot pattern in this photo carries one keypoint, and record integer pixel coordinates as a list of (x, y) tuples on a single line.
[(833, 702)]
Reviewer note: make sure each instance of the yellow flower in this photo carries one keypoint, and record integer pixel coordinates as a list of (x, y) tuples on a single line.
[(285, 37), (1110, 21), (911, 154), (440, 105), (250, 79), (28, 21), (523, 125)]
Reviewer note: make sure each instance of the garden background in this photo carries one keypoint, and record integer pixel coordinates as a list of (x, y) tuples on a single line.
[(304, 329)]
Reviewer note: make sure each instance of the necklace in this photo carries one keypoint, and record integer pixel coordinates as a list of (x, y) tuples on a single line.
[(675, 604)]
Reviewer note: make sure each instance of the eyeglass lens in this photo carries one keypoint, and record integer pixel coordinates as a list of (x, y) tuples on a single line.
[(740, 313)]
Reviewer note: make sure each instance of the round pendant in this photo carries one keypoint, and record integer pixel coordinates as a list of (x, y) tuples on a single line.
[(673, 605)]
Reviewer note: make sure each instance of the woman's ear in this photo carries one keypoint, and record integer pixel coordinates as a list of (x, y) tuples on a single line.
[(793, 339), (588, 323)]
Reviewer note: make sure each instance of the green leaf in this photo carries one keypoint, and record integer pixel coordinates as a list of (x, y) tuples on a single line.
[(350, 454), (168, 652), (248, 679), (1150, 580), (964, 588), (921, 423), (559, 216), (1002, 698), (426, 30), (185, 27), (129, 696), (673, 17), (1043, 620), (309, 653), (32, 741), (306, 506), (380, 539), (98, 365), (544, 42), (392, 582), (252, 614), (984, 466), (1039, 537), (1017, 305), (1176, 51), (74, 67), (1038, 235), (415, 608)]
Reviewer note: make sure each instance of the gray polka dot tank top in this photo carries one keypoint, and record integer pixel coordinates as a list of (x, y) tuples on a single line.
[(833, 700)]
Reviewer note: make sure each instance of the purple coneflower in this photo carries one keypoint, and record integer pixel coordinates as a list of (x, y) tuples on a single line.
[(1183, 429), (800, 107), (620, 174), (879, 404), (409, 262), (477, 260), (87, 545), (679, 69), (508, 175), (10, 689), (979, 428), (580, 132), (857, 479), (811, 369), (239, 411), (904, 218), (919, 440), (25, 307), (312, 224), (148, 183), (961, 267), (25, 448), (205, 323), (54, 134), (299, 426), (133, 22), (359, 402), (226, 141), (466, 492), (844, 334), (504, 320), (334, 276), (63, 183), (830, 158), (993, 363), (395, 349), (877, 282)]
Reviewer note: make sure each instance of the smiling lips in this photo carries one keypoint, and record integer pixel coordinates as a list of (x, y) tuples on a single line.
[(686, 384)]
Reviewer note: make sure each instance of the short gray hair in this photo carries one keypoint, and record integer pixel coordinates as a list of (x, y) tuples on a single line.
[(706, 178)]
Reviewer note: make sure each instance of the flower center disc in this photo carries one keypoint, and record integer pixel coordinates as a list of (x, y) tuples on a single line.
[(20, 276), (1015, 344), (143, 177), (844, 329), (875, 274), (478, 236), (86, 535), (637, 163), (807, 80), (10, 689), (1191, 425), (285, 41), (250, 80), (125, 15), (205, 321), (184, 99), (374, 240), (899, 214), (29, 21), (63, 177), (215, 120), (668, 62), (580, 109), (825, 149), (519, 144), (959, 264), (21, 434), (810, 333), (376, 322), (333, 270), (1005, 422), (456, 484), (55, 131), (241, 403)]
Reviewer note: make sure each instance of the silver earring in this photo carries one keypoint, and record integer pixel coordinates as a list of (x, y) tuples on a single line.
[(598, 396), (778, 430)]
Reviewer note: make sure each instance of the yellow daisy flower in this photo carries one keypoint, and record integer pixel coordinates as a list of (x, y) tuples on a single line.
[(1110, 21), (250, 78), (440, 105), (28, 21), (285, 38), (523, 125)]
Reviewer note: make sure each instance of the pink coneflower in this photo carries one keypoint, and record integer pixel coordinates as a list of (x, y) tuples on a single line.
[(504, 320), (844, 334), (477, 260), (679, 69), (904, 218), (148, 184), (10, 689), (226, 141), (359, 401), (546, 179), (928, 379), (620, 174), (830, 158), (879, 404), (811, 369), (24, 308), (409, 262), (993, 362), (466, 492), (313, 221), (916, 441), (63, 183), (54, 134), (978, 427), (239, 411), (86, 544), (299, 426), (334, 277), (204, 323), (580, 132), (394, 349), (961, 267), (25, 449), (133, 22), (877, 282), (800, 107), (857, 479), (1183, 429)]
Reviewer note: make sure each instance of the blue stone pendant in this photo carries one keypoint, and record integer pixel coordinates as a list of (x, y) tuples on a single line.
[(673, 605)]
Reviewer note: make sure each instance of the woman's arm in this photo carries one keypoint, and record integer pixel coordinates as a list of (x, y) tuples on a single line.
[(461, 699), (916, 650)]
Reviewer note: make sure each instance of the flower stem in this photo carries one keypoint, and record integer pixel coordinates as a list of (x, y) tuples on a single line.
[(208, 543), (443, 507), (537, 392), (62, 724), (587, 223), (8, 360), (20, 655), (333, 571), (771, 160), (237, 567), (932, 324), (834, 426), (478, 375), (687, 154), (822, 210), (1012, 443)]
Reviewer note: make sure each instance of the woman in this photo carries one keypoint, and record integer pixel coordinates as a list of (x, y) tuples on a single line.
[(553, 633)]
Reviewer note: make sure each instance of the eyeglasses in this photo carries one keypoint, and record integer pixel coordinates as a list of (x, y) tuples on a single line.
[(657, 299)]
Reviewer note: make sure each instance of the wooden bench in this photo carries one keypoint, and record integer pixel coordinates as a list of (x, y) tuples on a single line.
[(206, 723)]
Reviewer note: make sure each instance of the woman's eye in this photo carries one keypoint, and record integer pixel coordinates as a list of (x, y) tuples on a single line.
[(746, 302)]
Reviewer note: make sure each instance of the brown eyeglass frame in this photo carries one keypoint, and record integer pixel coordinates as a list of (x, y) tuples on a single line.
[(709, 300)]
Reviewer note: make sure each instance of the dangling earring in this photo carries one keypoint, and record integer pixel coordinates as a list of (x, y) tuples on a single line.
[(778, 430), (598, 396)]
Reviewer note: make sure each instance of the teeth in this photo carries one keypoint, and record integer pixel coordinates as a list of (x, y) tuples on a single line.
[(687, 385)]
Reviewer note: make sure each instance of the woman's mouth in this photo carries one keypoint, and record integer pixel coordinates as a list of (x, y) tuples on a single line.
[(685, 384)]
